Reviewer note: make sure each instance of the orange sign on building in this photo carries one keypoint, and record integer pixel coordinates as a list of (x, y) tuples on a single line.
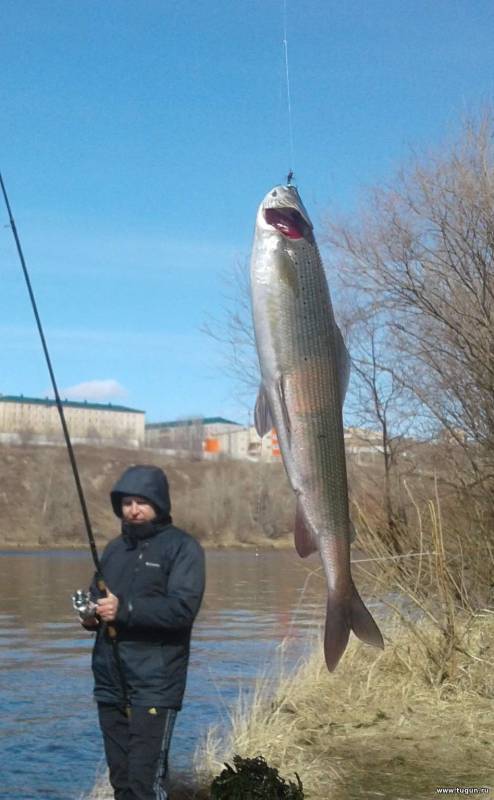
[(275, 447), (211, 445)]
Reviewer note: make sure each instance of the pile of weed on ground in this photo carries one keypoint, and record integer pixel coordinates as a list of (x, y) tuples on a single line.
[(254, 779), (383, 725)]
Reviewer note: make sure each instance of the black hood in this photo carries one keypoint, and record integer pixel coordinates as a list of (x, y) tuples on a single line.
[(144, 481)]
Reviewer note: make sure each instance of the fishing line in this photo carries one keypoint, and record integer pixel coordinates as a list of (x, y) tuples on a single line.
[(391, 558), (288, 92)]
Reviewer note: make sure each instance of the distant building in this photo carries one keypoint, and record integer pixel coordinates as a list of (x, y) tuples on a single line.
[(35, 420), (187, 435), (215, 438), (363, 445), (244, 444), (211, 438)]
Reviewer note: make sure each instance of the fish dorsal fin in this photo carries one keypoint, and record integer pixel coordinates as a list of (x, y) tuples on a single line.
[(305, 541), (344, 363), (262, 413)]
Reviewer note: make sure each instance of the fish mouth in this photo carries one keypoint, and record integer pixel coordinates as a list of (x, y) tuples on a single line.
[(289, 222)]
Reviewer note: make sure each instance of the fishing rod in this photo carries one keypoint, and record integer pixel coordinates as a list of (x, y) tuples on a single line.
[(73, 463), (70, 449)]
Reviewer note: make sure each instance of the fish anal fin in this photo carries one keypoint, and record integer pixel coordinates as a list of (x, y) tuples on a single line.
[(262, 413), (305, 541)]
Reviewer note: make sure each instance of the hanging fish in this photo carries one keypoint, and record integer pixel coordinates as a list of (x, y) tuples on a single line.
[(305, 369)]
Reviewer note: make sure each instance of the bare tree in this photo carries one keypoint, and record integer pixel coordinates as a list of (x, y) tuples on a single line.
[(420, 260), (234, 331), (188, 436), (379, 403)]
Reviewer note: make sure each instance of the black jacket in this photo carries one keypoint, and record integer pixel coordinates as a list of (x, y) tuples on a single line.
[(157, 573)]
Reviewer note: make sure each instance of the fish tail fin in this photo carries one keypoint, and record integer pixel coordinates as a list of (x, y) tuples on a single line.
[(337, 630), (363, 624), (342, 617)]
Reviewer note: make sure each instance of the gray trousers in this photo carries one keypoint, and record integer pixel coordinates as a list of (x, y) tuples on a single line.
[(136, 748)]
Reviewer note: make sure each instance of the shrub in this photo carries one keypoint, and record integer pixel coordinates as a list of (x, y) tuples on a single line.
[(253, 779)]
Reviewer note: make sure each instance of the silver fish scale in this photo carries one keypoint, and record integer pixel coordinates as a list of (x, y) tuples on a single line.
[(302, 333)]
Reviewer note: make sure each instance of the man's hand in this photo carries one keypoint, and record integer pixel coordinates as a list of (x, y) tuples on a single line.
[(107, 607), (90, 624)]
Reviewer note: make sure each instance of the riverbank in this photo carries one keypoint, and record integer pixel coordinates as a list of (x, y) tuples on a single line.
[(223, 504), (381, 726)]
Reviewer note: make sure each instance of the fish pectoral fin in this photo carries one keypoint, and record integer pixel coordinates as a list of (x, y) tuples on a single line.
[(262, 413), (305, 541), (353, 532), (280, 388)]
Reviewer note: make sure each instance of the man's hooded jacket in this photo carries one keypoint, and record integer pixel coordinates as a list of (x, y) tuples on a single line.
[(157, 572)]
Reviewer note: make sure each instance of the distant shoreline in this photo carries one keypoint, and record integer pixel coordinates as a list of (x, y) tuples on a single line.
[(278, 544), (223, 504)]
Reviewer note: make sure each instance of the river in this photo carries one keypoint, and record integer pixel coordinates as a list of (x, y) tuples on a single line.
[(50, 745)]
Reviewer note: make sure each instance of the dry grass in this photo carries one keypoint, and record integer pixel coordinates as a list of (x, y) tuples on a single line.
[(395, 725), (378, 726)]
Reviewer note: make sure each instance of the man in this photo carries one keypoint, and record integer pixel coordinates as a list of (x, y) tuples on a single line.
[(154, 574)]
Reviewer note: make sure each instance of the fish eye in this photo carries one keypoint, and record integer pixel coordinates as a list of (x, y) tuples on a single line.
[(274, 193)]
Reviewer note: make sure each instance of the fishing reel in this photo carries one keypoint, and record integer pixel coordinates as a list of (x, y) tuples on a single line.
[(83, 604)]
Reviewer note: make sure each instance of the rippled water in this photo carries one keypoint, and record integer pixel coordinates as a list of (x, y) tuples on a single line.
[(50, 746)]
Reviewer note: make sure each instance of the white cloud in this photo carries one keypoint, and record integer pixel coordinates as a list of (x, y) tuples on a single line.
[(97, 390)]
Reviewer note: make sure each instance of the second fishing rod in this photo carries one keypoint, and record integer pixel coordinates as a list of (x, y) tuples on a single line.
[(112, 632)]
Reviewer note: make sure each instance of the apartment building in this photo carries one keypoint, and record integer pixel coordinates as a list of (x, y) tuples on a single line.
[(36, 420)]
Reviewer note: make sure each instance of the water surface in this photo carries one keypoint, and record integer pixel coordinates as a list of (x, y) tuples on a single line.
[(50, 745)]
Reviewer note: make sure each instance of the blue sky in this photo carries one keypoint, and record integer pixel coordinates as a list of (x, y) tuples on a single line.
[(138, 138)]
